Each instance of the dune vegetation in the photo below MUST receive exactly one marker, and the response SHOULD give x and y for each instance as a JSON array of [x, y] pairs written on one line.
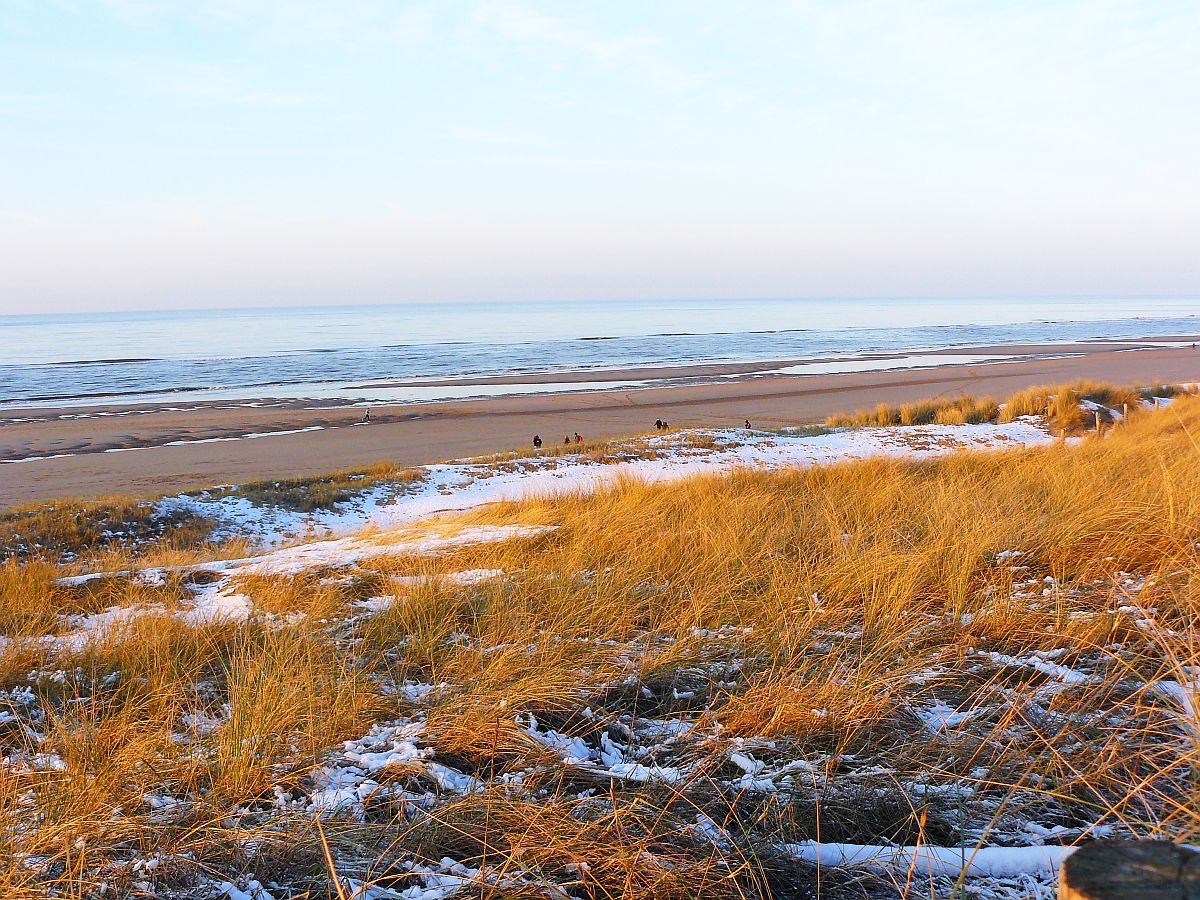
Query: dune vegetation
[[651, 691], [68, 528], [1066, 407], [319, 491]]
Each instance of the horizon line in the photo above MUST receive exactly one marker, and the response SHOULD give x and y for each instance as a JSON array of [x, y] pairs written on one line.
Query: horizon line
[[596, 300]]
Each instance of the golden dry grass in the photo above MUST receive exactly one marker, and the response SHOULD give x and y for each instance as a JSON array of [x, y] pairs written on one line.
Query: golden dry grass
[[288, 700], [309, 594], [944, 411], [799, 627], [1060, 405]]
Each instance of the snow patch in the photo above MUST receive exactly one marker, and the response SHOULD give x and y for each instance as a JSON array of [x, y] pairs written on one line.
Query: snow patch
[[989, 862], [459, 486]]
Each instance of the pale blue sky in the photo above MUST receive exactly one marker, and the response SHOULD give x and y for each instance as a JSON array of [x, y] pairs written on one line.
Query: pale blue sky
[[228, 152]]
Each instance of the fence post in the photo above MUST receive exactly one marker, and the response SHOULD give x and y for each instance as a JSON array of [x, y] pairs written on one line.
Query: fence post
[[1130, 870]]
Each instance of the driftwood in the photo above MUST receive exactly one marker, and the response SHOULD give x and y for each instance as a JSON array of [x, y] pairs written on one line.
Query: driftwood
[[1130, 870]]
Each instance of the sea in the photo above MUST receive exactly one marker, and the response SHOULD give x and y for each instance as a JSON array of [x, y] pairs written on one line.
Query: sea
[[389, 353]]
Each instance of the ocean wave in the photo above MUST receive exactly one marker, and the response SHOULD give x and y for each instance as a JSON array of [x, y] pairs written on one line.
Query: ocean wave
[[104, 362]]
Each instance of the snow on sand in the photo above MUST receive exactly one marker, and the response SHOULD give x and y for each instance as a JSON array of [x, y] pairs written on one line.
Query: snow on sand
[[459, 486]]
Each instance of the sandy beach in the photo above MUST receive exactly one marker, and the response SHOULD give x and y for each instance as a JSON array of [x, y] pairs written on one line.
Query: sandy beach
[[149, 450]]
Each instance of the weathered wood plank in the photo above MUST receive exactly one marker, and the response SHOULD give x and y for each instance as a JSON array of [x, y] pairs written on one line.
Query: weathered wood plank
[[1130, 870]]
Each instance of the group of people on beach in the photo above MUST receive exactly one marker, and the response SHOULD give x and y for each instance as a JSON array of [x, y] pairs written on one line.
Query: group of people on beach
[[659, 425], [577, 438], [567, 441]]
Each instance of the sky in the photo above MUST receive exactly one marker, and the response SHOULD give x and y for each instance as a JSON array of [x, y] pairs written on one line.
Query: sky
[[193, 153]]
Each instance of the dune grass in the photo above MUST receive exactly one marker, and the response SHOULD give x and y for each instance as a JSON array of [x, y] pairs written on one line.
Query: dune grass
[[945, 411], [314, 492], [70, 528], [936, 652], [1064, 406]]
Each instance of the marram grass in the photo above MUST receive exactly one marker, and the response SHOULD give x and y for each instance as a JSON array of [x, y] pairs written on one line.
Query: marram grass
[[932, 652]]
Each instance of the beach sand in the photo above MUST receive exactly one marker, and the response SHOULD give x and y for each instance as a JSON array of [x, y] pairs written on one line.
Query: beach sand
[[433, 432]]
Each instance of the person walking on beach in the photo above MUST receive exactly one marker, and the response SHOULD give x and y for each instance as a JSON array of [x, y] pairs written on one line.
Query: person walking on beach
[[367, 416], [747, 424], [658, 424], [537, 442], [567, 441], [578, 438]]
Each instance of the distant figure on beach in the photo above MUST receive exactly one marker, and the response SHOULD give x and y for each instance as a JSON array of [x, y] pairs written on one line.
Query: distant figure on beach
[[665, 425], [567, 441], [578, 438], [658, 424], [367, 416], [747, 424], [537, 442]]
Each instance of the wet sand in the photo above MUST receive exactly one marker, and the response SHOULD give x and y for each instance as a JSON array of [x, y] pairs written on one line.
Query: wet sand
[[432, 432]]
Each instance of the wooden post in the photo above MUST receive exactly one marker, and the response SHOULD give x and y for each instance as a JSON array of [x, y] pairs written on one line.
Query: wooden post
[[1097, 421], [1130, 870], [1124, 411]]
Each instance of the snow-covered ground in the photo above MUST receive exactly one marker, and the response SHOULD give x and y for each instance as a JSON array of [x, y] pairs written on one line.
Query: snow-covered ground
[[215, 601], [1002, 844], [383, 521], [459, 486]]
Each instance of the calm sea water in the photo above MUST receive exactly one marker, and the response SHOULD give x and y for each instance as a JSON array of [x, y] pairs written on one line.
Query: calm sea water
[[324, 351]]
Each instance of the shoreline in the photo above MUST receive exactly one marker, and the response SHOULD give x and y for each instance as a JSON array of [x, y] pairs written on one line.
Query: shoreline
[[81, 448], [342, 393], [634, 377]]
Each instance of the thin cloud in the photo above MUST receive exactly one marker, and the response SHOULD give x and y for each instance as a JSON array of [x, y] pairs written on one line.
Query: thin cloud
[[639, 56], [347, 23], [497, 138], [221, 86]]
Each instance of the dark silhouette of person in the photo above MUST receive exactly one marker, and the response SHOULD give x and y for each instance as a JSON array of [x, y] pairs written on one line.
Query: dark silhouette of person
[[658, 424], [747, 424], [537, 442], [567, 441]]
